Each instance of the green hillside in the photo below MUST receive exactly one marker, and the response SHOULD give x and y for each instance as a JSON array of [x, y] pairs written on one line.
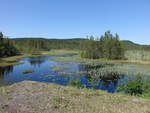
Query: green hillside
[[75, 43], [131, 45], [29, 44]]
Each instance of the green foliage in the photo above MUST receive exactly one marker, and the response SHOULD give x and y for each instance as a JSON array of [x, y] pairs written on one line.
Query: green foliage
[[137, 86], [6, 47], [76, 83], [129, 45], [146, 86], [90, 49], [1, 37], [41, 44], [108, 46]]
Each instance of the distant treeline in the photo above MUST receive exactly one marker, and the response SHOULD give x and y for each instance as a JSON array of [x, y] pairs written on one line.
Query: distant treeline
[[39, 44], [28, 44], [99, 47]]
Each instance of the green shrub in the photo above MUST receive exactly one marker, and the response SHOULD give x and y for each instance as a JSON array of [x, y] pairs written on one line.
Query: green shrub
[[7, 48], [137, 86], [76, 83]]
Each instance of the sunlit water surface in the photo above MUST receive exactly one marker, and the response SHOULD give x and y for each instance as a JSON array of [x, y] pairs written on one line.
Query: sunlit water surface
[[44, 71]]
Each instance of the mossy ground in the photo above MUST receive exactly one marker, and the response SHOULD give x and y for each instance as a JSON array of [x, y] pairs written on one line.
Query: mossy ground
[[35, 97]]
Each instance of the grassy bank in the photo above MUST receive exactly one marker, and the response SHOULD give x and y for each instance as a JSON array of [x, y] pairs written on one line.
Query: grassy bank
[[122, 66], [69, 58], [13, 60], [37, 97], [78, 58], [138, 55]]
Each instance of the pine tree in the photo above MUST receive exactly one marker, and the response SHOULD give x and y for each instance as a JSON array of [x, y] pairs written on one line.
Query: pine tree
[[1, 37], [6, 47], [108, 46]]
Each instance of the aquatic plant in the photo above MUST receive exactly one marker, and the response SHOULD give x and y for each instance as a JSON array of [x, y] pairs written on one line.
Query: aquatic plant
[[102, 71], [28, 71], [113, 70], [72, 73], [95, 65], [57, 68]]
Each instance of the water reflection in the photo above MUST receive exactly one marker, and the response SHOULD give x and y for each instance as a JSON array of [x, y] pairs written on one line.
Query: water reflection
[[46, 70], [37, 61], [5, 70]]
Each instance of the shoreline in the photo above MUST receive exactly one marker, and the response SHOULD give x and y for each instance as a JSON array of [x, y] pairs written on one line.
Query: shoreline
[[8, 61]]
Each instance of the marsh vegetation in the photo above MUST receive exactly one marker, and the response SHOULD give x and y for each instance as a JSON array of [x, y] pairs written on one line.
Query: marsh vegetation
[[27, 71], [78, 73], [97, 63]]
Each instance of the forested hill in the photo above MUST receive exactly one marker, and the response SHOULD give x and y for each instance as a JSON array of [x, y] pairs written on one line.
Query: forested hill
[[131, 45], [29, 44]]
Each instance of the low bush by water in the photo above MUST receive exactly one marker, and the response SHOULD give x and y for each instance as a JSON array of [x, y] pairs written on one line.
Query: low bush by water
[[137, 86]]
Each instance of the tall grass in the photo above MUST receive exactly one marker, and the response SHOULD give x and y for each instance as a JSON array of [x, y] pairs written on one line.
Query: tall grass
[[138, 84], [114, 71], [138, 55]]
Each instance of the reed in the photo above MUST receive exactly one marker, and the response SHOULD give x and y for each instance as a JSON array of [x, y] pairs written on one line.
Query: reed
[[115, 70], [138, 55]]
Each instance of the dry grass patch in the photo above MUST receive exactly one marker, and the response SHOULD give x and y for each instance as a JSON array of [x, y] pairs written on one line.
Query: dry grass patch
[[37, 97]]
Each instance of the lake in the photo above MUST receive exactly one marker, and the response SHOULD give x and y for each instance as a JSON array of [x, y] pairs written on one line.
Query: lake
[[50, 71]]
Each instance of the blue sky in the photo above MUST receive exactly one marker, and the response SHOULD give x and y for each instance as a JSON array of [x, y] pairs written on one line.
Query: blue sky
[[76, 18]]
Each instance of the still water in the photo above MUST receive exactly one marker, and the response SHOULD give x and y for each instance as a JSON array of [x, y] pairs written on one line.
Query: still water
[[46, 70]]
